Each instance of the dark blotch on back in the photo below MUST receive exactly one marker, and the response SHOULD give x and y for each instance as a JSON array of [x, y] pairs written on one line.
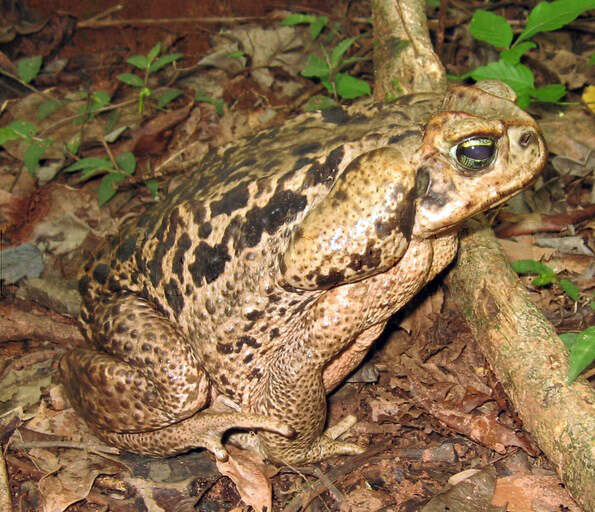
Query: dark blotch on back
[[84, 285], [224, 348], [395, 139], [209, 263], [271, 164], [246, 340], [254, 315], [126, 248], [204, 230], [325, 172], [198, 212], [100, 273], [232, 200], [184, 244], [174, 296], [302, 162], [281, 209], [306, 149], [335, 115]]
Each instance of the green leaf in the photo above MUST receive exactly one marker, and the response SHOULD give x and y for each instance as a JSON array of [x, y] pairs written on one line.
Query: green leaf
[[139, 61], [47, 108], [74, 144], [153, 52], [548, 16], [339, 51], [518, 76], [592, 59], [167, 97], [531, 267], [100, 99], [126, 162], [298, 19], [7, 134], [107, 187], [317, 25], [582, 353], [569, 339], [217, 103], [28, 69], [349, 87], [319, 102], [24, 129], [513, 56], [112, 120], [164, 60], [570, 289], [130, 79], [491, 28], [18, 129], [549, 93], [328, 85], [33, 154], [90, 163], [236, 55], [153, 186], [315, 67], [523, 99], [544, 279]]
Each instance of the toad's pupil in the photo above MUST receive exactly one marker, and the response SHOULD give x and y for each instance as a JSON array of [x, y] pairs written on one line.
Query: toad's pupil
[[475, 153]]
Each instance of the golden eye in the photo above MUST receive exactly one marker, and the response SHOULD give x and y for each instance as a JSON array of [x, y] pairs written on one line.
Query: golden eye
[[476, 153]]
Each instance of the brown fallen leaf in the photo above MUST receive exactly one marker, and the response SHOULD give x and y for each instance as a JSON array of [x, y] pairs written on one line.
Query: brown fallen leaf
[[251, 477], [74, 480], [484, 428], [537, 222], [527, 493]]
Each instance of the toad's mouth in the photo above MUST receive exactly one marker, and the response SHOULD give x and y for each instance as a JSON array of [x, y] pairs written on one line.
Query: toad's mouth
[[454, 213]]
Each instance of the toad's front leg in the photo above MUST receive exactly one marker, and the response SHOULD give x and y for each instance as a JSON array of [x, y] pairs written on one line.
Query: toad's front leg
[[293, 389]]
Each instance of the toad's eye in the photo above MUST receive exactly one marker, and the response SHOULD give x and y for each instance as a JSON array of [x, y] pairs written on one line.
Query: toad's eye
[[475, 154]]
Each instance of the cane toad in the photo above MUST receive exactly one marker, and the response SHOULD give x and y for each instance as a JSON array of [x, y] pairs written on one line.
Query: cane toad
[[265, 277]]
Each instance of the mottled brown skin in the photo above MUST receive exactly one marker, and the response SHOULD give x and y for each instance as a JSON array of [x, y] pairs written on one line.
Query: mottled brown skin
[[267, 275]]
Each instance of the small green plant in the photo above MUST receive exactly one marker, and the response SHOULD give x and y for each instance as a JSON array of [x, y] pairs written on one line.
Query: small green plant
[[581, 346], [95, 101], [494, 29], [35, 146], [317, 23], [115, 171], [28, 68], [216, 102], [328, 69], [545, 276], [149, 63]]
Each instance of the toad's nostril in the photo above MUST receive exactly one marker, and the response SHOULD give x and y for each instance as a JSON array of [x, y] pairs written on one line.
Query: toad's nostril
[[527, 138]]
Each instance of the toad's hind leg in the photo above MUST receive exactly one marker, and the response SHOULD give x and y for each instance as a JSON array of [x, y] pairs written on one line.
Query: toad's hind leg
[[143, 391]]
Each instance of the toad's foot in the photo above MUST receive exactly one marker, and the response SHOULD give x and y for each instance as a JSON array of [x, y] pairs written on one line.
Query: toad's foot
[[325, 446], [328, 446], [203, 430]]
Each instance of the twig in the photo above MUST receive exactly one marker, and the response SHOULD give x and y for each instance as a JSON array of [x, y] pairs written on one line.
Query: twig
[[5, 501], [103, 14], [96, 448], [168, 21]]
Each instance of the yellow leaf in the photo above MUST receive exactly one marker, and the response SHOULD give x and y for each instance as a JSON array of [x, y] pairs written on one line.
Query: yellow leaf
[[589, 97]]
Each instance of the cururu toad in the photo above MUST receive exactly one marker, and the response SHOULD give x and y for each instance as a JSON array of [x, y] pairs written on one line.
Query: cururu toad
[[265, 277]]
